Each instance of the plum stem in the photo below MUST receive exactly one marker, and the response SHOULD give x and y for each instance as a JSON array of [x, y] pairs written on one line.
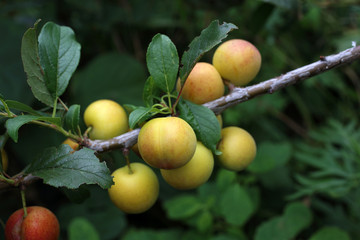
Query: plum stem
[[23, 199]]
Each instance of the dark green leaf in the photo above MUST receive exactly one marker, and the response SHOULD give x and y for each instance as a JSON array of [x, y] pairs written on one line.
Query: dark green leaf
[[78, 195], [270, 155], [59, 167], [183, 206], [224, 178], [139, 115], [163, 62], [150, 92], [32, 67], [72, 118], [204, 221], [59, 56], [81, 228], [22, 107], [295, 219], [110, 76], [152, 234], [204, 123], [13, 124], [209, 38], [236, 205], [330, 233]]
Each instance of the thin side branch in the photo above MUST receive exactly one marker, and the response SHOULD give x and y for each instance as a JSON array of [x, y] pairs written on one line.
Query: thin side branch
[[239, 95]]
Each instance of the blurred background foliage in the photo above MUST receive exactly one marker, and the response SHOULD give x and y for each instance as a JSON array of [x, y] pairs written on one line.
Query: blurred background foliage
[[304, 182]]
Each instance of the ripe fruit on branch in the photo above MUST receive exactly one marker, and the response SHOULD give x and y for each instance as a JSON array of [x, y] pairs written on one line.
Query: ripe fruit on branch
[[107, 119], [167, 142], [237, 61], [39, 224], [238, 148], [135, 189], [74, 145], [203, 84], [193, 174], [4, 160]]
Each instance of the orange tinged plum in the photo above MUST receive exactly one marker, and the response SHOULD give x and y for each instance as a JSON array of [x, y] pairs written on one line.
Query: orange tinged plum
[[193, 174], [167, 142], [203, 84], [74, 145], [238, 148], [237, 61]]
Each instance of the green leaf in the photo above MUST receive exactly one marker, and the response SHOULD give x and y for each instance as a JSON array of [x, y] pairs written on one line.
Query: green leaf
[[72, 118], [150, 92], [81, 228], [78, 195], [236, 205], [183, 206], [295, 219], [139, 115], [225, 178], [204, 123], [31, 62], [163, 62], [13, 124], [59, 56], [330, 233], [59, 167], [152, 234], [209, 38], [22, 107], [204, 221], [109, 76], [270, 156]]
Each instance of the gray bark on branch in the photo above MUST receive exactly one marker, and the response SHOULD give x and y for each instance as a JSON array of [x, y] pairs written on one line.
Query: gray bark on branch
[[239, 95]]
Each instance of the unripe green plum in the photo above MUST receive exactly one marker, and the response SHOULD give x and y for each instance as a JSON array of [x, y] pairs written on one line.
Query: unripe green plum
[[237, 61], [107, 118], [193, 174], [238, 148], [167, 142], [39, 224], [203, 84], [136, 190]]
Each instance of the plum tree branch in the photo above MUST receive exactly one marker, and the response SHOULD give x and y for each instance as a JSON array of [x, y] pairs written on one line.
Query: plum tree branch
[[239, 95]]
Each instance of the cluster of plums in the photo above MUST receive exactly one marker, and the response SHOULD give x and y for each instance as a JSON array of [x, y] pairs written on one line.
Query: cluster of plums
[[169, 143], [166, 143]]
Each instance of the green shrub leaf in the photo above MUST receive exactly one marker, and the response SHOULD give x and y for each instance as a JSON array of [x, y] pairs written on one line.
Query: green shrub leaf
[[163, 62], [22, 107], [183, 206], [81, 228], [59, 167], [139, 115], [209, 38], [236, 205], [13, 124], [59, 56], [295, 219], [270, 156], [204, 123], [150, 92], [330, 233], [30, 58], [72, 118]]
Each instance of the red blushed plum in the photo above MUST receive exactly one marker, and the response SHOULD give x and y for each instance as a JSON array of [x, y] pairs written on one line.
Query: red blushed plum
[[39, 224]]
